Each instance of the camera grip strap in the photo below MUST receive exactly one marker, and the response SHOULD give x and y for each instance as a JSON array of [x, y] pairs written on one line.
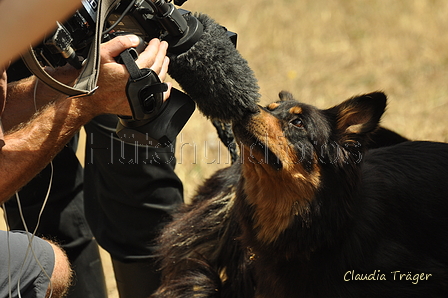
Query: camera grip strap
[[144, 89], [87, 80]]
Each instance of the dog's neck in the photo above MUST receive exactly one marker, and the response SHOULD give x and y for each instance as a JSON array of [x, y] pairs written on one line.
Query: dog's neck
[[277, 198]]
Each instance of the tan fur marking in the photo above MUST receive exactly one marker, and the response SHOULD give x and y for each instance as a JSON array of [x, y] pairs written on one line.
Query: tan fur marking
[[351, 120], [273, 106], [295, 110], [276, 195]]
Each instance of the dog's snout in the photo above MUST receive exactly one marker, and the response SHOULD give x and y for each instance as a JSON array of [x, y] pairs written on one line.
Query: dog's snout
[[249, 114]]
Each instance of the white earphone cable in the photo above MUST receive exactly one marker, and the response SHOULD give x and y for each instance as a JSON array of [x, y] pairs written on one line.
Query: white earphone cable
[[29, 235]]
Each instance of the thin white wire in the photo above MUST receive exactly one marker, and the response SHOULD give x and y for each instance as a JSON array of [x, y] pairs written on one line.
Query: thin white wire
[[5, 216], [30, 237]]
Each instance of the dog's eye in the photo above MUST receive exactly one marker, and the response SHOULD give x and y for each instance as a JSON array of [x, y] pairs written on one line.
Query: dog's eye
[[297, 122]]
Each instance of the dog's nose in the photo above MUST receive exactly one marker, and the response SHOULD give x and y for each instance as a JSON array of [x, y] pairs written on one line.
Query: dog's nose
[[253, 111], [257, 109], [249, 113], [262, 109]]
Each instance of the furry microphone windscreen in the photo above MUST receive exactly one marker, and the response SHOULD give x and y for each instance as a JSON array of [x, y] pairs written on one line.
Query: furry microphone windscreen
[[214, 74]]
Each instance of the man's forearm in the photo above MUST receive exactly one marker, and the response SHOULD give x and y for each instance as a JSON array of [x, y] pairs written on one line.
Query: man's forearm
[[30, 148], [19, 105], [23, 98]]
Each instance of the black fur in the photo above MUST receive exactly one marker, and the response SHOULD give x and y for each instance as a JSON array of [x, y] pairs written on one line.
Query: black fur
[[352, 211], [215, 75]]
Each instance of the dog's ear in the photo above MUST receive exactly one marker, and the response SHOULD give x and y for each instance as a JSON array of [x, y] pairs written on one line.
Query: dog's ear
[[358, 116], [285, 95]]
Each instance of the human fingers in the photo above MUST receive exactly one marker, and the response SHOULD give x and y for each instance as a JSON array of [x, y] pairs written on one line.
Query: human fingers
[[113, 48], [164, 69], [153, 56], [167, 93], [147, 57], [161, 60]]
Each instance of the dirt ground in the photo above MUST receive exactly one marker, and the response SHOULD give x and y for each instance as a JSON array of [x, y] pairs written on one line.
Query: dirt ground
[[325, 51]]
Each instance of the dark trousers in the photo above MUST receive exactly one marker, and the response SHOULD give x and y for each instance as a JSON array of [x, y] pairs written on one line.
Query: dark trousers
[[121, 200], [63, 220], [130, 191]]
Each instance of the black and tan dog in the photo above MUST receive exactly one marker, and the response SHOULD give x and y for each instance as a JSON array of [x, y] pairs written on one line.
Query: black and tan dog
[[324, 203]]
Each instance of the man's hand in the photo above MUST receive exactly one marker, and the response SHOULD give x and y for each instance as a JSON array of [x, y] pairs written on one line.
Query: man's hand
[[110, 98], [30, 147]]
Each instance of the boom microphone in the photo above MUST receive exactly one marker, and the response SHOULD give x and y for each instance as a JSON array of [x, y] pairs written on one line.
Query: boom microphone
[[214, 74]]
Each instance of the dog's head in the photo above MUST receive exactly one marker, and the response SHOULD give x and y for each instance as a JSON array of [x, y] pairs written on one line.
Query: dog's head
[[286, 146]]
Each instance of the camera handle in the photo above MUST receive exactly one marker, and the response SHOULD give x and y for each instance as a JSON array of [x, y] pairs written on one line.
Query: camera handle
[[154, 122], [86, 84], [144, 88]]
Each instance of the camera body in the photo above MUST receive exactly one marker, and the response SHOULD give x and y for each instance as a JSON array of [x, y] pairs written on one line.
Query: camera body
[[147, 19]]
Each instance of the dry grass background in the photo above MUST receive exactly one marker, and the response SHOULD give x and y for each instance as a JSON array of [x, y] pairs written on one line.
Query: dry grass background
[[325, 51]]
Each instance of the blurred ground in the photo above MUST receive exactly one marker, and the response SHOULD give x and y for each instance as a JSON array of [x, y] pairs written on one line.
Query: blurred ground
[[325, 51]]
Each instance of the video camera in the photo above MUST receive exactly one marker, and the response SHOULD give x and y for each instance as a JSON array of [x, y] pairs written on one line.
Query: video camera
[[147, 19], [154, 122]]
